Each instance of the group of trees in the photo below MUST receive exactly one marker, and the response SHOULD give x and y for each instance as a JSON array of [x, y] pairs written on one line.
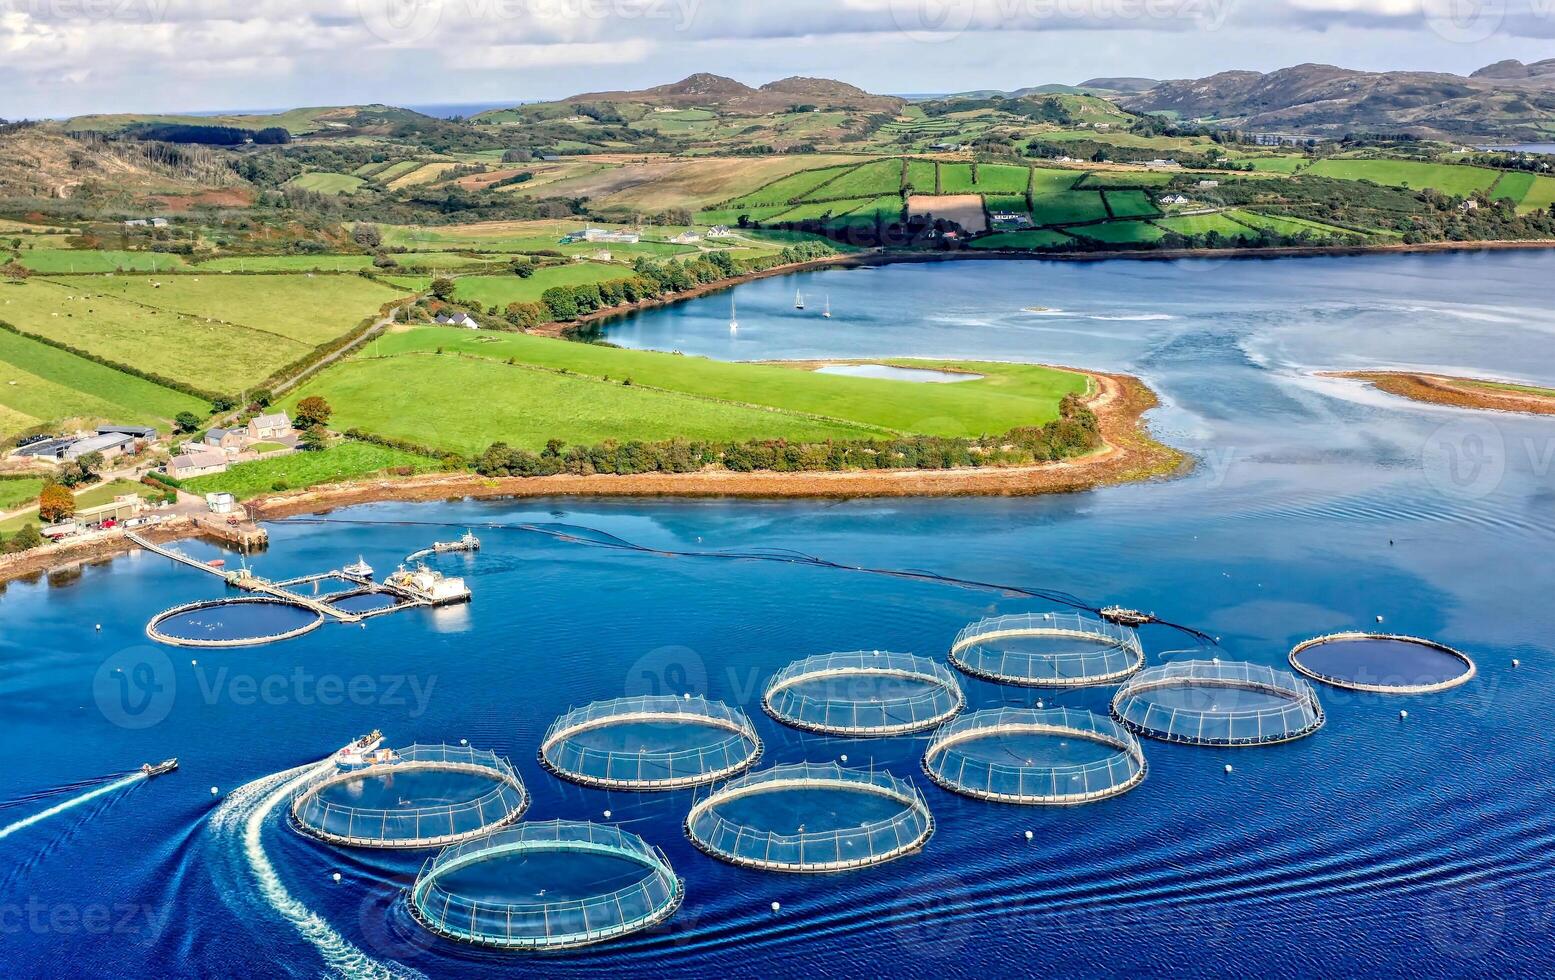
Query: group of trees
[[1073, 433]]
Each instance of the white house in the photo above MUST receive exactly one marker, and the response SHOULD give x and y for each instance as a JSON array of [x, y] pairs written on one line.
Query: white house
[[271, 426], [1174, 199], [1162, 164], [718, 231], [457, 319], [221, 503], [686, 238], [1206, 184], [199, 463]]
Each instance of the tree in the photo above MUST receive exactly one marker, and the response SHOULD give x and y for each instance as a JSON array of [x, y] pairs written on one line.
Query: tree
[[312, 411], [367, 235], [56, 503], [443, 288], [223, 403], [15, 270], [91, 463], [314, 439], [186, 421], [26, 539]]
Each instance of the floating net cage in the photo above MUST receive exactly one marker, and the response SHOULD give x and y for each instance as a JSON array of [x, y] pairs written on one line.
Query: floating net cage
[[1382, 663], [240, 622], [1210, 702], [365, 601], [434, 795], [656, 742], [811, 818], [545, 886], [1047, 650], [1055, 756], [863, 693]]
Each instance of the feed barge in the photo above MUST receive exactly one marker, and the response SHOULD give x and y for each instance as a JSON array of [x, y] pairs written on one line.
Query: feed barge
[[468, 542], [426, 586]]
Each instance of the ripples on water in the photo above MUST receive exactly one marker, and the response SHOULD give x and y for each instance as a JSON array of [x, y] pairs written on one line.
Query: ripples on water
[[1420, 846]]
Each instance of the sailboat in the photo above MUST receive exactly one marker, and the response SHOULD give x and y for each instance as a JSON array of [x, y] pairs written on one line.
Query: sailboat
[[734, 322], [798, 300], [827, 312]]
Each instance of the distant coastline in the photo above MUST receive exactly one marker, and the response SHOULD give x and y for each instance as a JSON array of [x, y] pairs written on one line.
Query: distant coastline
[[1458, 392]]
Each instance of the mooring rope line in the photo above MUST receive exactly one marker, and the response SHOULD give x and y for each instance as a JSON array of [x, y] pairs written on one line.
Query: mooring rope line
[[579, 534]]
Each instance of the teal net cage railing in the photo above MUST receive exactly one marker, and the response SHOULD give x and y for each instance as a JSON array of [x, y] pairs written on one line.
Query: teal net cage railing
[[811, 818], [545, 886], [1055, 756], [1047, 650], [1211, 702], [656, 742], [431, 796], [864, 693]]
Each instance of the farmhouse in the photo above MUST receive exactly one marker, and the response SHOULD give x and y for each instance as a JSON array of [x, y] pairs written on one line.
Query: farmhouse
[[197, 463], [276, 425], [686, 238], [1019, 219], [458, 319], [718, 231]]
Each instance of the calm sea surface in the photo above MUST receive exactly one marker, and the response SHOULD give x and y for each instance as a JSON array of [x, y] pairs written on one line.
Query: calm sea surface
[[1381, 845]]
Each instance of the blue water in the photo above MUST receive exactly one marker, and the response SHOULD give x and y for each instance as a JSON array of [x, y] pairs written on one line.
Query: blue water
[[1395, 847]]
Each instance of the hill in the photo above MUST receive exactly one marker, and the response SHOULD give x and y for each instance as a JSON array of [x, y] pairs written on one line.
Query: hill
[[1507, 100], [707, 91], [335, 120], [36, 162]]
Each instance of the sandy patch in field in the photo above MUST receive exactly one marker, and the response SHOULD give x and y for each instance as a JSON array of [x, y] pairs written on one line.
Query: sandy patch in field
[[965, 210]]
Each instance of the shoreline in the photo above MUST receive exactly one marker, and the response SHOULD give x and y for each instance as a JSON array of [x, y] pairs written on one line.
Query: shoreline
[[879, 257], [1129, 454], [1450, 390]]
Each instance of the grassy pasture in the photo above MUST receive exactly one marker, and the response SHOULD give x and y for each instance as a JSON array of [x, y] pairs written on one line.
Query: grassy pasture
[[870, 180], [823, 209], [1120, 178], [342, 461], [1527, 192], [1274, 165], [69, 260], [323, 182], [1286, 225], [956, 178], [1444, 177], [1120, 232], [1066, 207], [1002, 178], [920, 176], [54, 385], [499, 291], [731, 216], [886, 208], [16, 491], [794, 401], [1130, 204], [793, 187], [1203, 224]]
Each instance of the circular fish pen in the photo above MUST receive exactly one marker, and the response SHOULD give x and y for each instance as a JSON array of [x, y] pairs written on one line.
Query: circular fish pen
[[864, 693], [654, 742], [545, 886], [1050, 757], [241, 622], [431, 795], [1210, 702], [811, 818], [1382, 663], [365, 601], [1047, 650]]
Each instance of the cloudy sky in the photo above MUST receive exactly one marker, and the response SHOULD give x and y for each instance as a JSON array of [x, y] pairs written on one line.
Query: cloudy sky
[[62, 57]]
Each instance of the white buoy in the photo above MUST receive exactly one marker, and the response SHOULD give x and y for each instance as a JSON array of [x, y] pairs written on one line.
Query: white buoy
[[844, 757], [1516, 662], [1403, 714], [687, 695], [464, 741], [607, 814], [214, 791], [1039, 702], [776, 906], [194, 663], [1379, 619], [99, 627], [1028, 835], [1228, 767], [335, 876]]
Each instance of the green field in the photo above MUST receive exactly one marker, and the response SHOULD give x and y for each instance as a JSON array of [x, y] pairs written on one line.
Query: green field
[[1040, 238], [816, 210], [1120, 232], [1118, 178], [68, 260], [920, 176], [1444, 177], [1286, 225], [1528, 192], [956, 178], [1067, 207], [886, 208], [731, 216], [1000, 178], [870, 180], [1273, 165], [18, 491], [499, 291], [322, 182], [41, 384], [1203, 224], [342, 461], [1131, 204], [576, 392], [218, 333], [794, 187], [286, 263], [100, 493]]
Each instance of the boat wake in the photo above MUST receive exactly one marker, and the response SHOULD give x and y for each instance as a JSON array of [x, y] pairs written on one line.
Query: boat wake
[[241, 820], [70, 804]]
